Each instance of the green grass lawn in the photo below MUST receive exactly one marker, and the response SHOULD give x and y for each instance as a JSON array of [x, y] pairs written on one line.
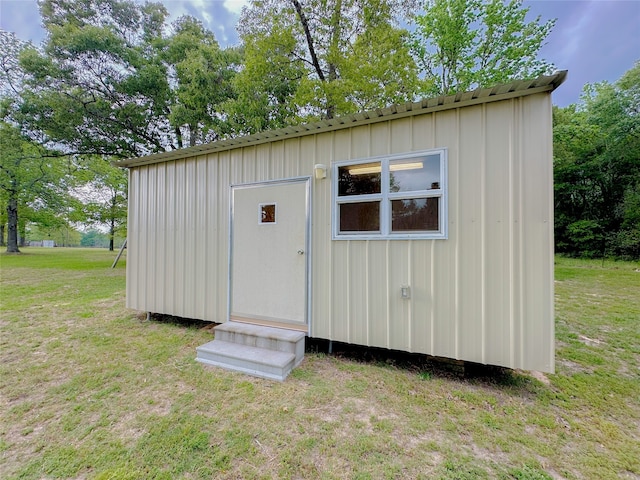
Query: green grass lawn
[[89, 389]]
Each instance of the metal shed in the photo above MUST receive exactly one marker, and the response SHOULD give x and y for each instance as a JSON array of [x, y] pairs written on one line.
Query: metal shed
[[424, 227]]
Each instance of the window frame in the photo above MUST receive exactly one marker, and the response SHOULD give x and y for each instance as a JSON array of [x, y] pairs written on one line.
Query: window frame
[[386, 196]]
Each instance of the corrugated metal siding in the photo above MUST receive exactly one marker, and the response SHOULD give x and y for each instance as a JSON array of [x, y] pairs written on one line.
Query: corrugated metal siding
[[484, 294]]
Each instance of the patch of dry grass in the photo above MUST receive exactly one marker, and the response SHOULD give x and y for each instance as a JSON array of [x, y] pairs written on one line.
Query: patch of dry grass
[[89, 389]]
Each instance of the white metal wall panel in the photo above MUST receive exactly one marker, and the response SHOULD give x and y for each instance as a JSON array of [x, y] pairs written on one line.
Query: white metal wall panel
[[397, 276], [378, 294], [484, 294], [468, 216], [422, 297], [358, 298], [321, 249], [538, 235], [497, 261], [444, 262]]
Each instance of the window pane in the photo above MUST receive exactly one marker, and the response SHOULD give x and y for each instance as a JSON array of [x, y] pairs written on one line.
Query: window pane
[[360, 217], [360, 179], [414, 214], [268, 213], [419, 173]]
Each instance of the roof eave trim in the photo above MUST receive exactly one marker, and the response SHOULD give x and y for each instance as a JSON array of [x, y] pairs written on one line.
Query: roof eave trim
[[412, 109]]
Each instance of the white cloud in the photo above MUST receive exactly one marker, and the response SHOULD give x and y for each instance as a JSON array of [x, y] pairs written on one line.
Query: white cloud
[[235, 6]]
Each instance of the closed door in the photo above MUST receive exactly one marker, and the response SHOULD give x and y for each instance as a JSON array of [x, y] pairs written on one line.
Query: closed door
[[269, 268]]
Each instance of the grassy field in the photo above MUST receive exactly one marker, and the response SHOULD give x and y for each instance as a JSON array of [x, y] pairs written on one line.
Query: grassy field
[[89, 389]]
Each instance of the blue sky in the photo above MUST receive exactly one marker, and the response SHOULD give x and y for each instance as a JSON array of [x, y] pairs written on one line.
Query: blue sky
[[595, 40]]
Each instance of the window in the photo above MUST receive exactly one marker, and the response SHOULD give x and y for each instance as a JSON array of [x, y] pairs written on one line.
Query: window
[[267, 213], [399, 196]]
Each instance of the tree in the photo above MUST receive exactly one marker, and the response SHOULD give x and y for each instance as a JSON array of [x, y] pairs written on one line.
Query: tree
[[597, 170], [30, 180], [460, 45], [109, 82], [104, 196], [11, 75], [203, 77], [320, 59], [94, 238]]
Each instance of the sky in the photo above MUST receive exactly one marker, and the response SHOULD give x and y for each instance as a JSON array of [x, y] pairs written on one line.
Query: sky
[[595, 40]]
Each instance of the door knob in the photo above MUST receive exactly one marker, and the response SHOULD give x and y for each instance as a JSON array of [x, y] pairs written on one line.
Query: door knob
[[300, 252]]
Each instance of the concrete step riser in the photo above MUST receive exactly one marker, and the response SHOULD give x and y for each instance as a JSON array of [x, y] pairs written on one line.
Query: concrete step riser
[[260, 351], [261, 337], [253, 341], [254, 372], [245, 365], [251, 360]]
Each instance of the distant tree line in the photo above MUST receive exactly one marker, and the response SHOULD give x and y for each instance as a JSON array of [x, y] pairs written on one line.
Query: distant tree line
[[114, 79], [597, 171]]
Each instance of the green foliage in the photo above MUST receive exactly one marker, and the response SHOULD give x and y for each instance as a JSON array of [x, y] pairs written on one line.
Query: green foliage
[[61, 233], [103, 197], [320, 59], [34, 185], [585, 237], [529, 473], [460, 45], [597, 171], [110, 81]]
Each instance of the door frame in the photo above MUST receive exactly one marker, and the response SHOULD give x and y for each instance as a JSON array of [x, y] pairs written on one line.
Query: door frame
[[307, 231]]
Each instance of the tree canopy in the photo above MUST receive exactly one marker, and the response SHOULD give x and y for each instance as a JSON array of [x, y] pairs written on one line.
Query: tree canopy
[[597, 170], [320, 59], [32, 182], [109, 81], [460, 45], [114, 79]]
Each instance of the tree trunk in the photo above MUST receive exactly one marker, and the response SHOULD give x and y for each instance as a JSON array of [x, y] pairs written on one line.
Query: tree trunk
[[112, 232], [335, 46], [12, 226], [2, 244], [307, 33], [112, 223], [22, 234]]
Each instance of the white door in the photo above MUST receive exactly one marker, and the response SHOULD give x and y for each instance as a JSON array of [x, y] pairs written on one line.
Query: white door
[[269, 270]]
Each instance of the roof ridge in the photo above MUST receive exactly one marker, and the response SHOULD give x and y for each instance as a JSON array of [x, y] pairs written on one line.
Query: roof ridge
[[516, 88]]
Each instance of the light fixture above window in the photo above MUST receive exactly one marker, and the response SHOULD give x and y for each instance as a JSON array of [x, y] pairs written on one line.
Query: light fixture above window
[[393, 167]]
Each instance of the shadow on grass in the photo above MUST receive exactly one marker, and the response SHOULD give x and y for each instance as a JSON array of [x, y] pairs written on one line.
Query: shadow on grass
[[424, 366], [178, 321]]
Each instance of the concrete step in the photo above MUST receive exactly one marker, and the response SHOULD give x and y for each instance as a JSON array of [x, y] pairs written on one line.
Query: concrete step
[[269, 338], [259, 362]]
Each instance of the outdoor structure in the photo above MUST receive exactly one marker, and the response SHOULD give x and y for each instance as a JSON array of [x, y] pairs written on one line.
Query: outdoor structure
[[425, 227]]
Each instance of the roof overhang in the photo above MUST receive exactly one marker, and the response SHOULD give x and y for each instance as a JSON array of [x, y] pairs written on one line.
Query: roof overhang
[[518, 88]]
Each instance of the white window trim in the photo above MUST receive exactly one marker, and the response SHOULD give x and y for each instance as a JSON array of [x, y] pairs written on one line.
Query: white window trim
[[385, 197]]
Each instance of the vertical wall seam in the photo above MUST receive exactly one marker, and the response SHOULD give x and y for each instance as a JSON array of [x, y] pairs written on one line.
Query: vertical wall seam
[[329, 276], [183, 200], [366, 291], [348, 300], [551, 237], [388, 292], [432, 299], [521, 233], [458, 279], [409, 301], [412, 320], [483, 233], [514, 127]]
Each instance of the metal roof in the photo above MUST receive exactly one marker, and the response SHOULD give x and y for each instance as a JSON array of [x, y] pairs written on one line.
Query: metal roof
[[517, 88]]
